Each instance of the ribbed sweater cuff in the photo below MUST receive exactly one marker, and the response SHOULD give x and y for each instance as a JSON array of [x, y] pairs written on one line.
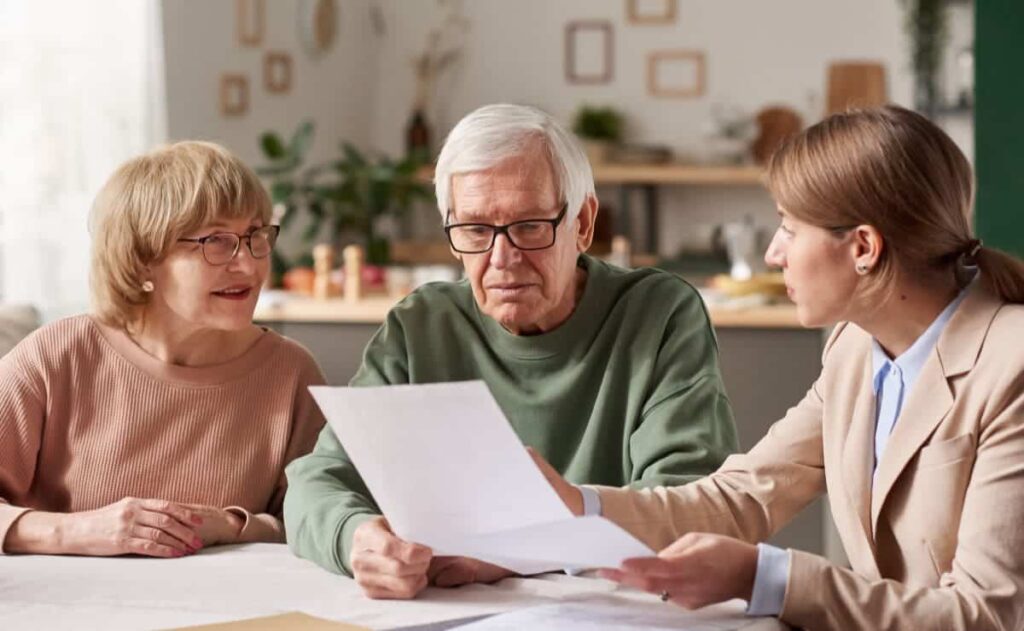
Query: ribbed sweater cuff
[[8, 515]]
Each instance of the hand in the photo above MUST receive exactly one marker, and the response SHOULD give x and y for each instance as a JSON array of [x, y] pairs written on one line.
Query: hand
[[699, 569], [218, 525], [386, 566], [571, 495], [149, 527], [455, 571]]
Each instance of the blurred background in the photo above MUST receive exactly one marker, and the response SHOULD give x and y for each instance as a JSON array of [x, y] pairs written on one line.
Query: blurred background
[[679, 101]]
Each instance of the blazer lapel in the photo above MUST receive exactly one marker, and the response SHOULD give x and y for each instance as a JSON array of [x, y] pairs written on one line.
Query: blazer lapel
[[858, 452], [928, 403], [932, 397]]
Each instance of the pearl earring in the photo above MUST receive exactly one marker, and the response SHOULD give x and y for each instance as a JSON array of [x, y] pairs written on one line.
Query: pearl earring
[[148, 286]]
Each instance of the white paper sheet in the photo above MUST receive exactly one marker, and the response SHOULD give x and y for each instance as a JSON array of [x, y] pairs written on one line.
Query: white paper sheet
[[604, 617], [449, 472]]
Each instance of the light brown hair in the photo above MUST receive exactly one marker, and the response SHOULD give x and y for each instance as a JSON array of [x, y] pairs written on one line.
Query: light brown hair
[[893, 169], [148, 204]]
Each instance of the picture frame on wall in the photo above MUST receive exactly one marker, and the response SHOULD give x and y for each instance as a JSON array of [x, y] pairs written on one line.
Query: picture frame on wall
[[651, 11], [234, 94], [277, 72], [250, 21], [676, 74], [589, 52]]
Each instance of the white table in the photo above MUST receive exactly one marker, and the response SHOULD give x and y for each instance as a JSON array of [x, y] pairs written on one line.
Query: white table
[[236, 582]]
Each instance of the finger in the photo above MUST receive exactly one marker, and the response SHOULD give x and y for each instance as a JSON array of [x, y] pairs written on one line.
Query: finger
[[411, 553], [178, 511], [438, 564], [454, 577], [393, 588], [171, 526], [150, 548], [643, 582], [611, 575], [148, 533], [373, 563], [650, 565]]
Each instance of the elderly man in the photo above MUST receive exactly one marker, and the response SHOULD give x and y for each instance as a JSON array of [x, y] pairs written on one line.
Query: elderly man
[[611, 375]]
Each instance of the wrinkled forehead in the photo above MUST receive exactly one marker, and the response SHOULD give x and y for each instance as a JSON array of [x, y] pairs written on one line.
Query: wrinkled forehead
[[517, 188]]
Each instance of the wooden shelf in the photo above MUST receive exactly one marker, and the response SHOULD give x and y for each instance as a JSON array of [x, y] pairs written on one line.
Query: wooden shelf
[[678, 174], [612, 173], [372, 310]]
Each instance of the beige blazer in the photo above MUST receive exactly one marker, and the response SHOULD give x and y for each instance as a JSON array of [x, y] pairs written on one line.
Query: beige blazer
[[938, 541]]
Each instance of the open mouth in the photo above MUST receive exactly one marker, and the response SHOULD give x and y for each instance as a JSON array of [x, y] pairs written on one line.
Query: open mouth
[[234, 293]]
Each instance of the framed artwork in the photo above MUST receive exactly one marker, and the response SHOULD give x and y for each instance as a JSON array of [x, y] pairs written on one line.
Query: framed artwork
[[277, 72], [250, 21], [651, 11], [234, 94], [318, 25], [589, 52], [678, 74]]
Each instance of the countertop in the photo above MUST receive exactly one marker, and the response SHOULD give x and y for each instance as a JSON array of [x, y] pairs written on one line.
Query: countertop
[[372, 310]]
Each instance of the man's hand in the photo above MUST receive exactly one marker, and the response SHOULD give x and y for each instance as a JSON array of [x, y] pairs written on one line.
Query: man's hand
[[455, 571], [385, 566], [697, 570], [571, 495]]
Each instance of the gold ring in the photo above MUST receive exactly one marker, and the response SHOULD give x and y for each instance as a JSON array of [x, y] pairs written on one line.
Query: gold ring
[[664, 596]]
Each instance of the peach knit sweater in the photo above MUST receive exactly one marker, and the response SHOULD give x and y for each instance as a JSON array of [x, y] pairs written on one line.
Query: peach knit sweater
[[88, 418]]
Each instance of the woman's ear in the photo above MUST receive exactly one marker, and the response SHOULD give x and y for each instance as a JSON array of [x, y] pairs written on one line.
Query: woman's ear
[[866, 248]]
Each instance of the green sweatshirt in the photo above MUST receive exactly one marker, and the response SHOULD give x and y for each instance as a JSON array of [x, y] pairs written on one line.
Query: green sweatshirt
[[627, 391]]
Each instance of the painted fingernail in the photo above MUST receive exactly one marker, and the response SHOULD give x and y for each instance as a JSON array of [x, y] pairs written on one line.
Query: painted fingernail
[[197, 543], [178, 554], [197, 520]]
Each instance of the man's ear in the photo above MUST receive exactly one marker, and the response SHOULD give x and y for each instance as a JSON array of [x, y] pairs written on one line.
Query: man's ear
[[585, 222]]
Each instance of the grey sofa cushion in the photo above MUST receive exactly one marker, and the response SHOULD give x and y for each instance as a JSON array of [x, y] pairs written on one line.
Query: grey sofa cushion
[[16, 321]]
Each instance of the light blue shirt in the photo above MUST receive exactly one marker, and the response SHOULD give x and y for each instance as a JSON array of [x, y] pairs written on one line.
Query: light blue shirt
[[892, 383]]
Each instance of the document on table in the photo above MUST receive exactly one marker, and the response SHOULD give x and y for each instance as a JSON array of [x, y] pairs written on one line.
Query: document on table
[[294, 621], [449, 472], [584, 616]]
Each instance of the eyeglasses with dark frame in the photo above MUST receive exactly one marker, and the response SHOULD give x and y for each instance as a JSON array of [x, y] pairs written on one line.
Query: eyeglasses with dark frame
[[220, 248], [526, 234]]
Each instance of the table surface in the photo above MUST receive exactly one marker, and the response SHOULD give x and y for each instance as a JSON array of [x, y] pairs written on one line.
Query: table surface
[[237, 582]]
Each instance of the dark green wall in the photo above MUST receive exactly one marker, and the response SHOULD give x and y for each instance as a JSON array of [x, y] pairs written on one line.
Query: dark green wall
[[999, 123]]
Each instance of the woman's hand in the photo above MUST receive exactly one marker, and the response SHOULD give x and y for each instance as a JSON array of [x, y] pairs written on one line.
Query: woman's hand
[[149, 527], [219, 526], [699, 569], [571, 495]]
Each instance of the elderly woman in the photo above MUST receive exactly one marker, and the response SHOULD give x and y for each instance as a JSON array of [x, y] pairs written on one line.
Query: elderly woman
[[611, 374], [915, 427], [162, 422]]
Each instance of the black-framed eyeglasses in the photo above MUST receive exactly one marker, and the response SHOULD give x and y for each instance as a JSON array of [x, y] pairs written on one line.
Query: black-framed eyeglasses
[[527, 234], [220, 247]]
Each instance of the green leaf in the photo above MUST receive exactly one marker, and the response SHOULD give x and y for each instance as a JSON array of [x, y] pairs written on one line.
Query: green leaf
[[281, 191], [272, 145], [302, 139]]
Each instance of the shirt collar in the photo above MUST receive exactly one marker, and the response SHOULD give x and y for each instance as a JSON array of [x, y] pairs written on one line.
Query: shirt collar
[[913, 359]]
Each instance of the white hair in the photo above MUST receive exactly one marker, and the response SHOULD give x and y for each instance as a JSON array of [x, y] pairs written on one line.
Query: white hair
[[494, 133]]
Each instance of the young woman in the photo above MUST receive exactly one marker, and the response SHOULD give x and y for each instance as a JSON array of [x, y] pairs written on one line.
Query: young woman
[[915, 428], [162, 422]]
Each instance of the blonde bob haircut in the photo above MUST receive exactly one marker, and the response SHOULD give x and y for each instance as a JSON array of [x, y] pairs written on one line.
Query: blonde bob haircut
[[148, 204]]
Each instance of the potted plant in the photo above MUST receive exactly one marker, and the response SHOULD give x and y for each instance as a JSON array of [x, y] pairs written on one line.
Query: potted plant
[[600, 129], [351, 193], [926, 22]]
